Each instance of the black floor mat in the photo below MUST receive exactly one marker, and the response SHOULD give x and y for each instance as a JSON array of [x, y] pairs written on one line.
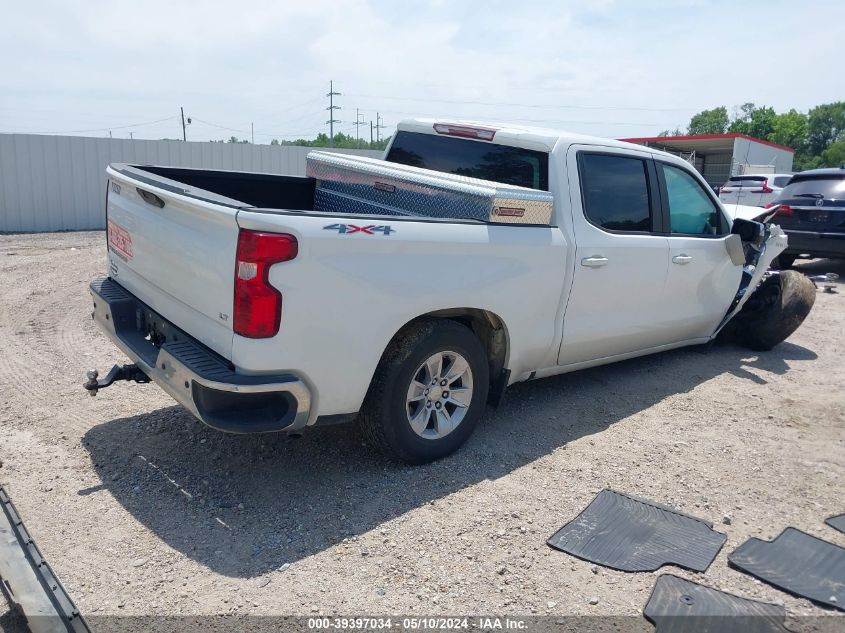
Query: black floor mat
[[678, 605], [630, 534], [797, 563], [837, 522]]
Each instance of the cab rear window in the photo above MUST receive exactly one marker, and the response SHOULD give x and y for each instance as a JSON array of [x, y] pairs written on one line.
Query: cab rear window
[[475, 159]]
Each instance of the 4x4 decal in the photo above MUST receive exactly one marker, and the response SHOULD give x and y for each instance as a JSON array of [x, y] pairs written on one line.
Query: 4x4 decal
[[371, 229]]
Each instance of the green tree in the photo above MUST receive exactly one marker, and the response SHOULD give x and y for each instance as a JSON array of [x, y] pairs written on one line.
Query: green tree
[[713, 121], [754, 121], [834, 155], [790, 129], [763, 122], [825, 124], [676, 132], [741, 123]]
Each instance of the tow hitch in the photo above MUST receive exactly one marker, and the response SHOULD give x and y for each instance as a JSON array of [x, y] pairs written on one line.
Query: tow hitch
[[118, 372]]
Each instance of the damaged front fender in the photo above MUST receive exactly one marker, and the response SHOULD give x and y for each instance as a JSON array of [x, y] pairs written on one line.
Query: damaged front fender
[[762, 242]]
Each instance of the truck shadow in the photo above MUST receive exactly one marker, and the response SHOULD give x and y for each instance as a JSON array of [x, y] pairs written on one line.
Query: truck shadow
[[245, 505]]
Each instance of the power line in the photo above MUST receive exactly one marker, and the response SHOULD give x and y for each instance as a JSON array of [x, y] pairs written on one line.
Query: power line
[[243, 131], [296, 105], [520, 120], [113, 127], [519, 105]]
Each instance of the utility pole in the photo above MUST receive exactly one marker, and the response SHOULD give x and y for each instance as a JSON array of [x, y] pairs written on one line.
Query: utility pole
[[130, 135], [358, 121], [184, 125], [332, 107], [252, 129], [371, 133], [379, 126]]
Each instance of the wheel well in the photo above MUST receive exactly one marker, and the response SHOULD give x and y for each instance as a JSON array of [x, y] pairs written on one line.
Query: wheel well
[[491, 331]]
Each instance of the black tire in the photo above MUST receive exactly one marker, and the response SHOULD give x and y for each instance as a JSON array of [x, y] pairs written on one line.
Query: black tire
[[784, 262], [384, 419], [775, 310]]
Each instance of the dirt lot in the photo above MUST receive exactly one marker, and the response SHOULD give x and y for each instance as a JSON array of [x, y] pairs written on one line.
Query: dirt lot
[[141, 509]]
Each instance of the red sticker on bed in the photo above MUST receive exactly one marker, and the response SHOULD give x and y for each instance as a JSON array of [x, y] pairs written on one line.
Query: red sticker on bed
[[120, 240]]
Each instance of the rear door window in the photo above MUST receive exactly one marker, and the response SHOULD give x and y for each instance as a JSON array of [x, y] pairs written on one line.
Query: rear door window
[[615, 192], [475, 159], [780, 181]]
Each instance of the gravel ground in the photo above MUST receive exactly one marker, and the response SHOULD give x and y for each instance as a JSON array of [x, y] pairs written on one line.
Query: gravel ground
[[141, 509]]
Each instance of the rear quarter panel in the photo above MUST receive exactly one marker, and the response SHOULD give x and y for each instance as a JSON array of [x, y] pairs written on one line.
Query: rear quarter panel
[[347, 294]]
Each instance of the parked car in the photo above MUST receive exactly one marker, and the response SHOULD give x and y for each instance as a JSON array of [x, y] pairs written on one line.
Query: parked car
[[754, 190], [374, 291], [812, 212]]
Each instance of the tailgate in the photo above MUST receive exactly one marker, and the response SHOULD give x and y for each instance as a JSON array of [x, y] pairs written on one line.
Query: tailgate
[[175, 252]]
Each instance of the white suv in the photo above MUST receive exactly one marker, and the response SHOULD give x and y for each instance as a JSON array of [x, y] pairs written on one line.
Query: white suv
[[755, 190]]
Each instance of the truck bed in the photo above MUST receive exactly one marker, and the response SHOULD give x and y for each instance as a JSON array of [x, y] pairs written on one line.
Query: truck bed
[[230, 188]]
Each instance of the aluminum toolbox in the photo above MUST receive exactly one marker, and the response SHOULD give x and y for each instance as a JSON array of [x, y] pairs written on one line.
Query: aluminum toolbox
[[357, 184]]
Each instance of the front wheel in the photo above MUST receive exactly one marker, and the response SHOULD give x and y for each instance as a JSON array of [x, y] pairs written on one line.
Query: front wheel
[[775, 310], [428, 393]]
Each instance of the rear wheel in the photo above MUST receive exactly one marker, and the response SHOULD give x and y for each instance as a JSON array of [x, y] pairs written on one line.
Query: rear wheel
[[428, 393], [775, 310]]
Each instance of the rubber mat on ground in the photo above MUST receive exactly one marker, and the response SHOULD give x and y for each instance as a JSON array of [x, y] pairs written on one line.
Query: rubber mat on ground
[[630, 534], [678, 605], [797, 563], [837, 522]]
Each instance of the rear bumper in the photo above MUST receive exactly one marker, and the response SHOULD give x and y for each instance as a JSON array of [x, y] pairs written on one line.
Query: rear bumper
[[819, 244], [197, 378]]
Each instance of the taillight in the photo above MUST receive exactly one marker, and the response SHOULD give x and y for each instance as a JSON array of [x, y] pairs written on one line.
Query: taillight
[[465, 131], [785, 209], [258, 305], [765, 189]]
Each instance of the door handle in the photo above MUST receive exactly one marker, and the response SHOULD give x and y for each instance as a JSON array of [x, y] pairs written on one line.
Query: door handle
[[681, 259], [596, 261]]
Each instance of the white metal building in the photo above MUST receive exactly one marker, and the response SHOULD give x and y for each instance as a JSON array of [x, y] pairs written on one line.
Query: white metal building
[[720, 156], [58, 183]]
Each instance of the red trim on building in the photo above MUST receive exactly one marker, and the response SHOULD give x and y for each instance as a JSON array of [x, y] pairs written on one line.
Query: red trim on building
[[704, 137]]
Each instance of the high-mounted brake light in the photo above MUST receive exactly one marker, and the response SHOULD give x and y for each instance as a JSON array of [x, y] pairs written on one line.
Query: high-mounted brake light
[[257, 304], [465, 131]]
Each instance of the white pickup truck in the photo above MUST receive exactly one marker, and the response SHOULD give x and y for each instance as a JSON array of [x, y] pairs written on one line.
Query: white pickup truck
[[258, 313]]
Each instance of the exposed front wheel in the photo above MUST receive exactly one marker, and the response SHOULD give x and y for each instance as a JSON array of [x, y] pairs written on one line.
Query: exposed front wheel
[[775, 310], [428, 393]]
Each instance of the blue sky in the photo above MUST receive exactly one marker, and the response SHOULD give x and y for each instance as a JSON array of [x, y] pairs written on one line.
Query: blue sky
[[611, 68]]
